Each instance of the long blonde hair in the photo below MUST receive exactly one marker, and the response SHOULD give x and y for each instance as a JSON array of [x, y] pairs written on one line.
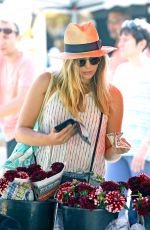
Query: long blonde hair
[[71, 89]]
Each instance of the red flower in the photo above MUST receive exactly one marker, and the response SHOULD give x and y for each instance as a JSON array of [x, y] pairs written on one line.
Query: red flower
[[66, 185], [114, 201], [21, 169], [3, 185], [38, 175], [57, 167], [33, 168], [72, 202], [82, 187], [64, 194], [142, 205], [22, 175], [10, 175], [50, 173], [140, 183], [134, 184], [108, 186], [85, 202], [145, 188], [144, 177]]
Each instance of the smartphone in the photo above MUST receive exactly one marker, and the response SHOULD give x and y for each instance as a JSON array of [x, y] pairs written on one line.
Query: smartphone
[[61, 126]]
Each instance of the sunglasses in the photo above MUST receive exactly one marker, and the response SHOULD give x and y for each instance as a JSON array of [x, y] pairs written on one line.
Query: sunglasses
[[92, 60], [7, 31]]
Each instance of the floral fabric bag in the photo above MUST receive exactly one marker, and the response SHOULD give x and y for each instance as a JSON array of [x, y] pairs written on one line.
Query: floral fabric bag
[[23, 155]]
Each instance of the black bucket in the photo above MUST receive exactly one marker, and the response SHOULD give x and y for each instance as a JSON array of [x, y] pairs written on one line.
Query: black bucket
[[32, 215], [84, 219], [147, 222], [7, 222]]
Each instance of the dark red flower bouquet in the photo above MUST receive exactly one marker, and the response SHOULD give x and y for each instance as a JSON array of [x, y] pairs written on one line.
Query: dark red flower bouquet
[[108, 195], [18, 184], [140, 193]]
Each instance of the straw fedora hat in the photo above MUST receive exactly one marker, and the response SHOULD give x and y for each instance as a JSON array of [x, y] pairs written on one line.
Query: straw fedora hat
[[82, 41]]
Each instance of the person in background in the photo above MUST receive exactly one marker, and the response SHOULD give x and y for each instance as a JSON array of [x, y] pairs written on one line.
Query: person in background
[[133, 80], [16, 74], [54, 63], [79, 91], [147, 51], [116, 16]]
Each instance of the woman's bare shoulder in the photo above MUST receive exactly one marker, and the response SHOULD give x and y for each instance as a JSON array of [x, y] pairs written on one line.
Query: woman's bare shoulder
[[114, 91], [116, 102], [116, 95]]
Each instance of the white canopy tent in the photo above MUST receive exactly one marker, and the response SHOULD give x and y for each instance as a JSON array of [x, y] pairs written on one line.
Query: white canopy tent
[[76, 7], [73, 6], [88, 5]]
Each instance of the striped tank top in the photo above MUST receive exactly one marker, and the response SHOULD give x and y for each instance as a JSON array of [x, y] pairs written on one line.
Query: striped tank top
[[76, 154]]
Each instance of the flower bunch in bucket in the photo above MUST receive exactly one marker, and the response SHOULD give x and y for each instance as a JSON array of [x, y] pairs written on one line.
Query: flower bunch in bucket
[[108, 195], [29, 183], [140, 193]]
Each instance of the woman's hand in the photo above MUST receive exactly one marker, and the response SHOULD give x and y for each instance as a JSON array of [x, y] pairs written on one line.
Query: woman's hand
[[57, 138], [123, 147], [113, 153], [24, 132]]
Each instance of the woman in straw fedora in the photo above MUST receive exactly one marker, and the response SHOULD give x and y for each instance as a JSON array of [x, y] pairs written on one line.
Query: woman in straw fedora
[[80, 91]]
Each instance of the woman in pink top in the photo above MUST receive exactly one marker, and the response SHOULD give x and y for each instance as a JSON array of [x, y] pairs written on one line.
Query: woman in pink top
[[16, 75]]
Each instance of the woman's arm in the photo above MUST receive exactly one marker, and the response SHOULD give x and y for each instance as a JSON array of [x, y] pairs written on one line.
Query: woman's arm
[[114, 124], [29, 113], [24, 130]]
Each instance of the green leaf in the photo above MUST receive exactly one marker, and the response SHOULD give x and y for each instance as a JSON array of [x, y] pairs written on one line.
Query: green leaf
[[126, 207], [100, 179]]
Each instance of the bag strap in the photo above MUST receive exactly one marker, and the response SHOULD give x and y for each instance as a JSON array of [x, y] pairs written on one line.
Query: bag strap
[[47, 95], [40, 116], [95, 146]]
